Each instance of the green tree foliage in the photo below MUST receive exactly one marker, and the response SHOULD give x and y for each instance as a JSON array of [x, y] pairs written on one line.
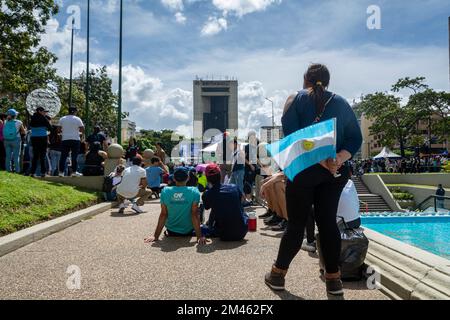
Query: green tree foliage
[[23, 65], [399, 123], [165, 137]]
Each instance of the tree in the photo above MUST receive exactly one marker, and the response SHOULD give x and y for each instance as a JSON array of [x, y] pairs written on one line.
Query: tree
[[102, 100], [164, 137], [23, 66], [391, 120]]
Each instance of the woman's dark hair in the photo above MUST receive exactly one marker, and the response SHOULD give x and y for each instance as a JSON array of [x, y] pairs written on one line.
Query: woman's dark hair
[[134, 142], [317, 79], [155, 160], [214, 179], [95, 147]]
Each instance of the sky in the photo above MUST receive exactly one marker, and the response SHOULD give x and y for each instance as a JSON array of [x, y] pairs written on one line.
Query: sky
[[266, 44]]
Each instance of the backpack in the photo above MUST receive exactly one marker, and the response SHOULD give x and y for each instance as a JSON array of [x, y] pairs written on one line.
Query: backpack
[[108, 184], [10, 131]]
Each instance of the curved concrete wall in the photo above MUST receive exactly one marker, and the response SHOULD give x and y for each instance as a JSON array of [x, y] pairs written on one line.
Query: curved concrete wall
[[377, 186], [428, 179], [408, 272], [89, 183]]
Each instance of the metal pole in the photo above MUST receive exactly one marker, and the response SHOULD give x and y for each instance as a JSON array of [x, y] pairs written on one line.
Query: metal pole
[[87, 124], [273, 113], [71, 66], [119, 110]]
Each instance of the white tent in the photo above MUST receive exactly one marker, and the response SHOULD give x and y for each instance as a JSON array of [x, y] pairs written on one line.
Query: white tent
[[386, 153], [211, 148]]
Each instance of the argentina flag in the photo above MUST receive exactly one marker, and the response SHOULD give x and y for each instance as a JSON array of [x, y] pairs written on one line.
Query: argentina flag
[[305, 148]]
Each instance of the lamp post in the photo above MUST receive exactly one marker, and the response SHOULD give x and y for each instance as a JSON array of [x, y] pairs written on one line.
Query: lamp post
[[273, 114], [71, 66], [87, 69], [119, 110]]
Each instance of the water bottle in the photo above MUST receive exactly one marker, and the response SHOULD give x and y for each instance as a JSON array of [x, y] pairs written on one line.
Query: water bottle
[[252, 222]]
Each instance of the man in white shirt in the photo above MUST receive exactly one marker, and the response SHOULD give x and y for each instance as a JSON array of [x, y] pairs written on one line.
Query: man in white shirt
[[71, 128], [133, 185]]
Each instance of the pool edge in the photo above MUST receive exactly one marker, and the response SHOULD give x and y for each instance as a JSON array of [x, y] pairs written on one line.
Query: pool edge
[[408, 272]]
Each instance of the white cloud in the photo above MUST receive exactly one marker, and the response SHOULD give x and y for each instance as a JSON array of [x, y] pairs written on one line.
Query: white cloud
[[180, 18], [213, 26], [175, 5], [243, 7]]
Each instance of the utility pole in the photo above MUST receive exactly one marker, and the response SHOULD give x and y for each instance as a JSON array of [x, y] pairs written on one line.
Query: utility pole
[[71, 66], [119, 111], [87, 125]]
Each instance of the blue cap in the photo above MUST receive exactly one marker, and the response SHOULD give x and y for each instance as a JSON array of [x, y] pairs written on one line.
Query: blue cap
[[181, 174], [12, 112]]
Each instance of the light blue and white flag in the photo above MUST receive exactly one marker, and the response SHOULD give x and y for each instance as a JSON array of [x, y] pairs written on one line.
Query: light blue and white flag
[[305, 148]]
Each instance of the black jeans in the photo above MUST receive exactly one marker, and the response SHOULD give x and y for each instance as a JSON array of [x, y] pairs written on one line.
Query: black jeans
[[2, 155], [69, 146], [314, 186], [39, 154]]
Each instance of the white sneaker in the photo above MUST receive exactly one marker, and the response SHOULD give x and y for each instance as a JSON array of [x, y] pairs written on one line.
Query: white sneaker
[[61, 174], [122, 207], [77, 174], [136, 208]]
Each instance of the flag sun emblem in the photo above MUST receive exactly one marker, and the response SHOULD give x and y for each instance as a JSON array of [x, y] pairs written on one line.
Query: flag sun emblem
[[308, 145]]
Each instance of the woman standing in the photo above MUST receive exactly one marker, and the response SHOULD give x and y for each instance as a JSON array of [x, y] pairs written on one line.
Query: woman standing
[[13, 130], [40, 125], [320, 185], [2, 144], [131, 151]]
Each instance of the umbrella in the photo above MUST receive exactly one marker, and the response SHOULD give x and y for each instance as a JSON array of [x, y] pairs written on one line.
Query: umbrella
[[201, 167]]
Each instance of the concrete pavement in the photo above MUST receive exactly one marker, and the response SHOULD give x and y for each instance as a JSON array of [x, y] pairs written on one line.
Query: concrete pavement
[[115, 263]]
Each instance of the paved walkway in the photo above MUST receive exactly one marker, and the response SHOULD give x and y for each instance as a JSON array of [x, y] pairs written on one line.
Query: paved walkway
[[116, 264]]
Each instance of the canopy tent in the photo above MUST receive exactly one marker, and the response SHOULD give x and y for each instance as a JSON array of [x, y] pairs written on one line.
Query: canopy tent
[[386, 153], [211, 148]]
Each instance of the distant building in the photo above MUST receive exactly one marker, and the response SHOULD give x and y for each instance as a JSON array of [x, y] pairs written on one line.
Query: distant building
[[271, 134], [372, 143], [128, 130], [215, 106]]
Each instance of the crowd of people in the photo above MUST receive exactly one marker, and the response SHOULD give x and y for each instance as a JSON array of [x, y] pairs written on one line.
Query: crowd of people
[[51, 148], [432, 163]]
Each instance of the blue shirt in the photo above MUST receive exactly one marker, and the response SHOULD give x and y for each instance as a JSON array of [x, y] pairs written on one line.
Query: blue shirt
[[154, 176], [227, 218], [179, 202], [302, 113]]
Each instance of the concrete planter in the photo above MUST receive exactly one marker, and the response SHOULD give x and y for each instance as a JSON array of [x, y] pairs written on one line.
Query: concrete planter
[[406, 204]]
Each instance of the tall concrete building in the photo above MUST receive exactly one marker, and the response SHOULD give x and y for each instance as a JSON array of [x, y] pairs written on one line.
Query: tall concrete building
[[215, 106]]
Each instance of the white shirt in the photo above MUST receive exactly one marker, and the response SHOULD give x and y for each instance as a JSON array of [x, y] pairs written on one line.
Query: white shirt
[[70, 126], [129, 187], [349, 203]]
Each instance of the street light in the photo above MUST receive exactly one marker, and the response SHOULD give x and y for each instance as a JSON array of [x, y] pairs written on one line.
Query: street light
[[273, 114]]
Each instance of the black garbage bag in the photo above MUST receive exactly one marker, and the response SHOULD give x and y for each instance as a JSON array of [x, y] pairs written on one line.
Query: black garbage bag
[[354, 247]]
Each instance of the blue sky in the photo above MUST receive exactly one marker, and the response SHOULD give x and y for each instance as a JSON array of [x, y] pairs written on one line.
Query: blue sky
[[266, 44]]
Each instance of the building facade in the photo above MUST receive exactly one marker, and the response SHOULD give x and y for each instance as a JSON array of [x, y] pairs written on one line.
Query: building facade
[[215, 106], [128, 130], [271, 134]]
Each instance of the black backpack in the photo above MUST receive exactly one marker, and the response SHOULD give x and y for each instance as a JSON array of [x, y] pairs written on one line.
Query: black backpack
[[108, 184]]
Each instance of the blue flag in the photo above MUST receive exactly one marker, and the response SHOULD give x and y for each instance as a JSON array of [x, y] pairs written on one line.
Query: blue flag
[[305, 148]]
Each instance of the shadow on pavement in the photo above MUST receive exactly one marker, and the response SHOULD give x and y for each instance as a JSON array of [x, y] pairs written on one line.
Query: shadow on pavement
[[216, 244], [171, 244], [287, 295], [278, 235]]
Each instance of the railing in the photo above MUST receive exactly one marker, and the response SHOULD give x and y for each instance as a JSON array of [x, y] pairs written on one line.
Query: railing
[[438, 202]]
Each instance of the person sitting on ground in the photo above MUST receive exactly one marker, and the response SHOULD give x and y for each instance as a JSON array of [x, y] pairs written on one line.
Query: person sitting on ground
[[133, 185], [274, 191], [112, 181], [179, 210], [154, 175], [93, 165], [227, 219], [348, 208]]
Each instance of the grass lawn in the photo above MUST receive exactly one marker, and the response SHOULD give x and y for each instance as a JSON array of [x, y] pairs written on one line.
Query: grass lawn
[[415, 186], [25, 201]]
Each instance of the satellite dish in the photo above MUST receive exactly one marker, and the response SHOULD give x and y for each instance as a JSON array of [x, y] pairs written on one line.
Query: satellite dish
[[46, 99]]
